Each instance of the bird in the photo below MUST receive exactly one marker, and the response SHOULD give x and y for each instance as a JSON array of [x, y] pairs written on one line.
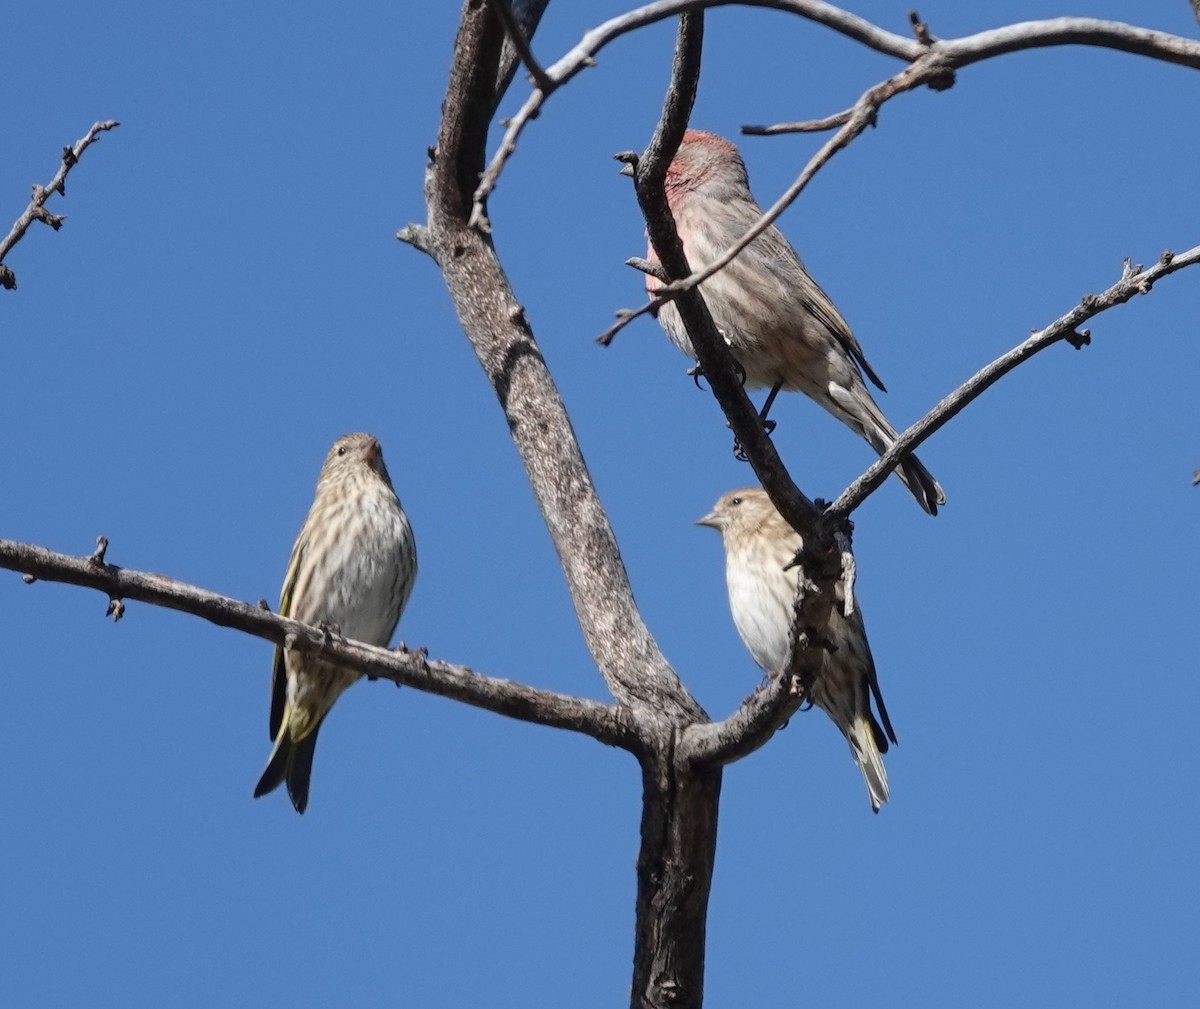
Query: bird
[[759, 547], [352, 571], [782, 329]]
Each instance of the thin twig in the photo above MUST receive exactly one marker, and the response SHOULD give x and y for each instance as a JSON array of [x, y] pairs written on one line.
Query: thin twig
[[605, 722], [36, 211], [519, 42], [583, 56], [958, 52], [1134, 280], [925, 69], [809, 126]]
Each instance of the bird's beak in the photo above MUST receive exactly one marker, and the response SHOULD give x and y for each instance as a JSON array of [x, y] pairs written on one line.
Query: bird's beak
[[712, 520], [626, 169]]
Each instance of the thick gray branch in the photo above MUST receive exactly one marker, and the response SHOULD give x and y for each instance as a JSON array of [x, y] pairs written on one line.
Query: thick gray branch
[[674, 871], [756, 720], [1134, 280], [36, 211], [629, 659], [605, 722], [679, 812]]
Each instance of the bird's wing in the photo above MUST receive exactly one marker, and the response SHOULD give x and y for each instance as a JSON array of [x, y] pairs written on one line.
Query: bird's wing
[[279, 669], [825, 312], [872, 676], [785, 260]]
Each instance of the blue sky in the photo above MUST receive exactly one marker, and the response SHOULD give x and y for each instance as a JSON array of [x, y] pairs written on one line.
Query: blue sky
[[227, 297]]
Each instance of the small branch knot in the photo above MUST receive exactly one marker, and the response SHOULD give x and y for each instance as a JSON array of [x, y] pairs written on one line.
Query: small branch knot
[[942, 82], [1079, 339], [630, 160], [54, 220], [938, 70], [920, 29], [645, 266], [101, 548]]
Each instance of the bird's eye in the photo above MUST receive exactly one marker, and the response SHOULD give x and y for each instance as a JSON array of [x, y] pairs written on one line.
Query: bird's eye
[[736, 501], [341, 450]]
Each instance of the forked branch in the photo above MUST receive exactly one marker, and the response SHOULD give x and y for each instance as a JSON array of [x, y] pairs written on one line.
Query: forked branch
[[957, 52], [36, 211]]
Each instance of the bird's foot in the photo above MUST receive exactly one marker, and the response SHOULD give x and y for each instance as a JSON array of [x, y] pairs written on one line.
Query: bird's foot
[[739, 452], [332, 632]]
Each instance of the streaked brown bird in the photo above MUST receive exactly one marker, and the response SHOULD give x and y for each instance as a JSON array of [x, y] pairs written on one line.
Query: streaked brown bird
[[759, 544], [781, 327], [352, 569]]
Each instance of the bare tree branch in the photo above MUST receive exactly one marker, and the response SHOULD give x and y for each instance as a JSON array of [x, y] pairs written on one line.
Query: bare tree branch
[[679, 751], [526, 15], [517, 39], [712, 352], [957, 52], [927, 69], [629, 659], [808, 126], [36, 211], [605, 722], [1134, 280], [702, 749], [679, 805], [756, 720]]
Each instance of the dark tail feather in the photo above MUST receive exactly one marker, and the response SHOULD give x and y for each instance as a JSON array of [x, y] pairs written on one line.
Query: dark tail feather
[[291, 762], [916, 477], [277, 766], [299, 770], [921, 484]]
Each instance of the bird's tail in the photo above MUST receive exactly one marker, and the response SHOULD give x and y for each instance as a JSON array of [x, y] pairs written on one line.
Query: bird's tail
[[867, 746], [291, 761], [881, 436]]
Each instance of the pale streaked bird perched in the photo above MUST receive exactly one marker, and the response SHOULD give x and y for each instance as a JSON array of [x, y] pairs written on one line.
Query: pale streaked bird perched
[[781, 327], [352, 568], [759, 544]]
